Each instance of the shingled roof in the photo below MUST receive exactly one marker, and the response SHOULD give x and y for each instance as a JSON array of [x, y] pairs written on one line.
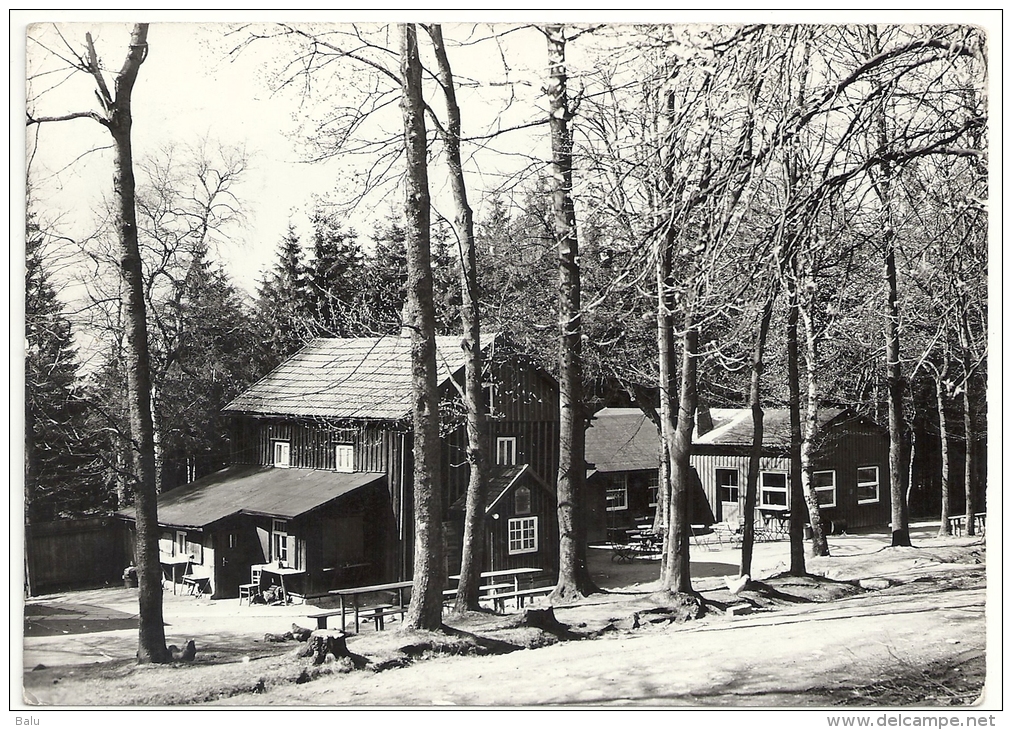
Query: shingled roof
[[737, 430], [365, 377], [500, 480], [623, 439]]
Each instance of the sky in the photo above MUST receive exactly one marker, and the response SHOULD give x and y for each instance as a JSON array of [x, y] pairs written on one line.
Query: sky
[[189, 88]]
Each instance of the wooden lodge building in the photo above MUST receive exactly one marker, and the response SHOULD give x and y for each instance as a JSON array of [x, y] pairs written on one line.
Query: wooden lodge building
[[850, 468], [321, 475]]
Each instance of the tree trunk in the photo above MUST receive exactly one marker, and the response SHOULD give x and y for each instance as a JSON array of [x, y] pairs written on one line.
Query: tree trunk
[[944, 528], [463, 225], [666, 368], [151, 644], [755, 452], [797, 498], [676, 578], [894, 387], [574, 577], [820, 545], [426, 607], [970, 461]]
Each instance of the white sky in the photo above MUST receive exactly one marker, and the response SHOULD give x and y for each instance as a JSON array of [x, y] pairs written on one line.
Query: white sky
[[187, 88]]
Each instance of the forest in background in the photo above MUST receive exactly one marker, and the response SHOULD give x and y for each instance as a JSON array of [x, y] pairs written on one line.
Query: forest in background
[[780, 167]]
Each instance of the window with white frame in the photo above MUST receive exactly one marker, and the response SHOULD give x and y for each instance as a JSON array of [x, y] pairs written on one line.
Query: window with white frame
[[282, 454], [617, 494], [867, 484], [773, 489], [727, 485], [824, 486], [653, 487], [345, 457], [523, 535], [279, 540], [180, 542], [506, 450]]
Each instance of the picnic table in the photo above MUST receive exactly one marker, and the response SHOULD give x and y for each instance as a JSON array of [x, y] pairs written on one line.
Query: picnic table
[[498, 579], [376, 612], [979, 520]]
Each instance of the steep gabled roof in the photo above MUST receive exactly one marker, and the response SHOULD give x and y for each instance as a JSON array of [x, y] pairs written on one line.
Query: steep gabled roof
[[365, 377], [260, 490], [501, 480]]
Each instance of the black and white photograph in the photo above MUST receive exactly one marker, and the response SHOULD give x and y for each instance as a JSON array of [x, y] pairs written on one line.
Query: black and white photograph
[[487, 360]]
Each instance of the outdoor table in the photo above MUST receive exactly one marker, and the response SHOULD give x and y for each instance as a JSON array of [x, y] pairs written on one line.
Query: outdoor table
[[777, 518], [281, 573], [354, 593], [513, 573], [173, 561]]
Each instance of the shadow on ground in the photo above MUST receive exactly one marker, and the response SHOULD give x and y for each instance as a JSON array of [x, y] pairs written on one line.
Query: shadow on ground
[[75, 618]]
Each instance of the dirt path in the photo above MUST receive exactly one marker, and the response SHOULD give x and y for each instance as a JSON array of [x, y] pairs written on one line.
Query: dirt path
[[804, 655], [812, 642]]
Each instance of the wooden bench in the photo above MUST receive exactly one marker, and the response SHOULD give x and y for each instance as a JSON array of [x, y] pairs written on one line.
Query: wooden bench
[[322, 615], [378, 613], [499, 599]]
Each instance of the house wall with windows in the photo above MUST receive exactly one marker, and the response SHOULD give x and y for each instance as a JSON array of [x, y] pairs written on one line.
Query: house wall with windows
[[850, 477]]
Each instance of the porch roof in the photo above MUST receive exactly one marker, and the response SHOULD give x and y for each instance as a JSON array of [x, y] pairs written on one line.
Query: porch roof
[[261, 490], [500, 480]]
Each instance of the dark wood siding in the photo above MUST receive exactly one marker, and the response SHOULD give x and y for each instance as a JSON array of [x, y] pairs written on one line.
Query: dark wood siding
[[497, 523], [76, 553], [842, 449]]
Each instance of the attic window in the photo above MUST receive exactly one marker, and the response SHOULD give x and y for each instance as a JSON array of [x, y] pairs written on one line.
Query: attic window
[[344, 458], [282, 454], [506, 450], [522, 501]]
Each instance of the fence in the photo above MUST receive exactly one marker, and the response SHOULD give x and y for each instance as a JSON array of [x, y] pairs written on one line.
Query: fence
[[75, 554]]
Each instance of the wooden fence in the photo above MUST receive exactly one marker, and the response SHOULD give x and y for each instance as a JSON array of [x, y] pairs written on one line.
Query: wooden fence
[[75, 554]]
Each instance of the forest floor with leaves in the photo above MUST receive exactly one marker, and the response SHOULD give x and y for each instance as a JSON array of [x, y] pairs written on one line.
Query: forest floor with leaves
[[871, 626]]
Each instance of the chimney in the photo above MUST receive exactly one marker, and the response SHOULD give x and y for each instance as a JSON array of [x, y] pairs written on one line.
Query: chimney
[[704, 423]]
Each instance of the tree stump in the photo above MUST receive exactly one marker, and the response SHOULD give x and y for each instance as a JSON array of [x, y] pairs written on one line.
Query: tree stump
[[544, 619], [324, 641]]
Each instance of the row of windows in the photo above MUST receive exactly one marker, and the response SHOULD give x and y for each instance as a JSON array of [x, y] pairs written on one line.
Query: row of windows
[[344, 454], [773, 486]]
